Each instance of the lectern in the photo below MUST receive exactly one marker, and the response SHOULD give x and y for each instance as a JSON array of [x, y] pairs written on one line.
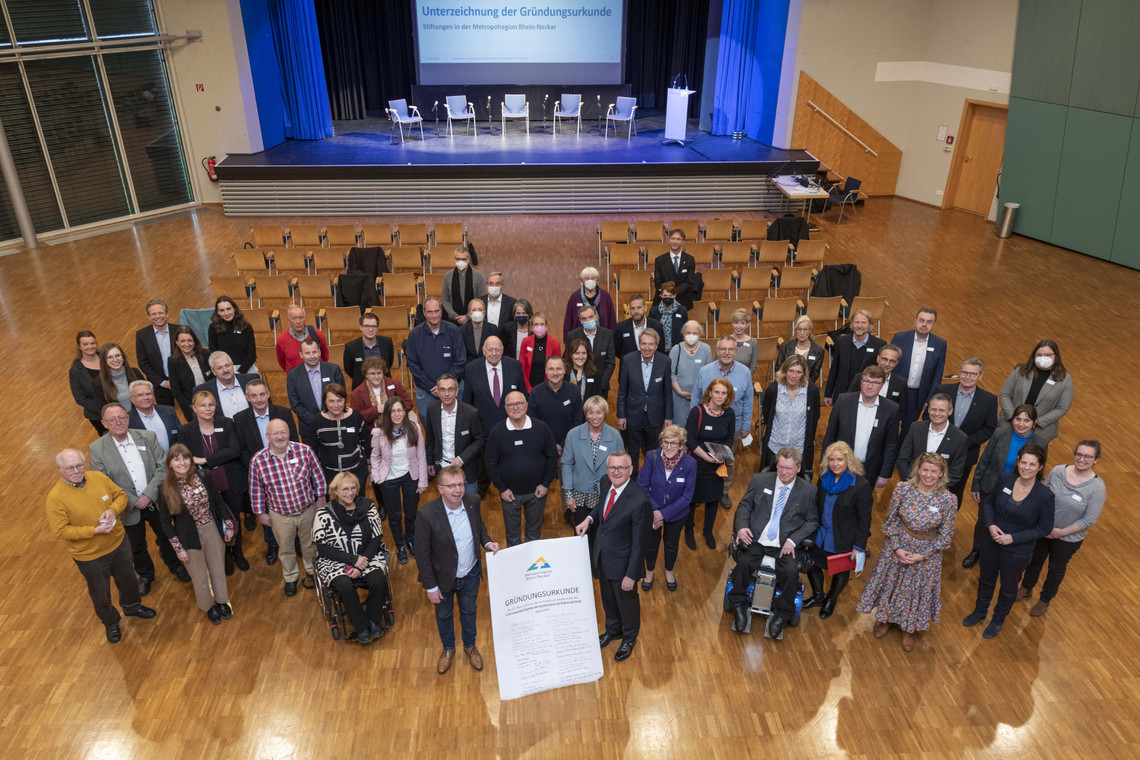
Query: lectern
[[676, 115]]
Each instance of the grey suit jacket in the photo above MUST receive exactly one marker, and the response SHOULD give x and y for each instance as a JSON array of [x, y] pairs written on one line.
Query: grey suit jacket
[[103, 455], [799, 520], [1052, 403], [454, 310]]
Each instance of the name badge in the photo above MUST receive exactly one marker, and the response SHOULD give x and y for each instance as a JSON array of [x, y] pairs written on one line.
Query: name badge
[[1076, 497], [768, 491], [625, 335], [350, 430], [811, 358], [603, 448], [601, 353], [708, 427], [518, 443], [659, 379], [514, 387], [578, 304], [466, 432], [698, 361], [680, 480], [876, 422], [446, 354], [566, 402], [1006, 490], [809, 408], [219, 430], [870, 350], [676, 316], [684, 270], [930, 348], [1050, 381], [932, 510], [894, 393], [360, 358], [528, 348], [292, 460], [106, 497], [143, 448], [325, 379], [945, 456]]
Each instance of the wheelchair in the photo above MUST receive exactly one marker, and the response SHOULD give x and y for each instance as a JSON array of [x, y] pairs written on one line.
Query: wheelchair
[[762, 590], [333, 608]]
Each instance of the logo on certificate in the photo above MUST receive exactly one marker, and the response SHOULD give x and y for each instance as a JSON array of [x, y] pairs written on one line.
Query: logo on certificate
[[540, 568]]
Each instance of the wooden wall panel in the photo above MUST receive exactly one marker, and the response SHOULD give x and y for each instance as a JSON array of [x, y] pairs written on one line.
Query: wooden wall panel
[[814, 133]]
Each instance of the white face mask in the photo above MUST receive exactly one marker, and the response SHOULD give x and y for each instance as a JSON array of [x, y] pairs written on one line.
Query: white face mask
[[476, 317], [691, 339], [494, 291], [461, 265], [1044, 362], [589, 284]]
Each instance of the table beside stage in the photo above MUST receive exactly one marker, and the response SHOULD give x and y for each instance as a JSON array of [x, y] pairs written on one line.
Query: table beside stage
[[793, 190]]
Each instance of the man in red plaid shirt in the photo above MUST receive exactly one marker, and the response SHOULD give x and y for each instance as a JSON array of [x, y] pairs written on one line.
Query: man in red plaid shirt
[[286, 488]]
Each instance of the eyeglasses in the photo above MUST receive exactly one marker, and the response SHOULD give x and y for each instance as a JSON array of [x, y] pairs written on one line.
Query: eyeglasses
[[516, 403], [451, 485], [885, 360], [1084, 457], [966, 373], [620, 468]]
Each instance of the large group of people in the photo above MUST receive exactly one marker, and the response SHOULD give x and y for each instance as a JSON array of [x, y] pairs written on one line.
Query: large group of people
[[499, 400]]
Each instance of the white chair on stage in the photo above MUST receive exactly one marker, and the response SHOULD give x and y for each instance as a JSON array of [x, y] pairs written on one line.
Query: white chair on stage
[[623, 110], [515, 107], [460, 109], [569, 107], [398, 113]]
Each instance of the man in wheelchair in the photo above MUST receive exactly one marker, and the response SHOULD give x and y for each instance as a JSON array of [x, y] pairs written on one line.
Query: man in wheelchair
[[351, 555], [776, 515]]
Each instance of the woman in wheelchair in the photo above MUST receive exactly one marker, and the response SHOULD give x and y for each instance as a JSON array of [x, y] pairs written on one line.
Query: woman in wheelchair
[[351, 554]]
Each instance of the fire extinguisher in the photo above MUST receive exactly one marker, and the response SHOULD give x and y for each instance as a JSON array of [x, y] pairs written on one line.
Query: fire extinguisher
[[209, 163]]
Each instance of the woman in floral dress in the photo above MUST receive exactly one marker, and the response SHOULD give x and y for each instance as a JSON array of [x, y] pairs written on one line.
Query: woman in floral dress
[[906, 586]]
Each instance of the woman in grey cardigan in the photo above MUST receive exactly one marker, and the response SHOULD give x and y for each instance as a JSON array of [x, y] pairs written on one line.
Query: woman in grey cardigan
[[1043, 382], [1078, 494], [584, 458], [686, 359]]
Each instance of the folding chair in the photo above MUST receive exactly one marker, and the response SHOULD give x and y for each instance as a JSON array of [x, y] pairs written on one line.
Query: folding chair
[[315, 291], [795, 281], [650, 232], [774, 252], [809, 253], [413, 234], [700, 313], [767, 351], [305, 235], [341, 235], [431, 284], [263, 321], [395, 322], [691, 228], [826, 311], [399, 289], [406, 258], [377, 235], [622, 256], [723, 314], [273, 292], [720, 230], [754, 283], [753, 229], [267, 236], [653, 250], [630, 281], [449, 234], [290, 262], [611, 232], [704, 253], [781, 311], [329, 263], [250, 262], [341, 324], [719, 284], [736, 255], [874, 304], [237, 288], [276, 380]]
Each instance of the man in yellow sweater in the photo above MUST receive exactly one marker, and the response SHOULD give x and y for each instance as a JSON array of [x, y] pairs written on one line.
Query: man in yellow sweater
[[83, 509]]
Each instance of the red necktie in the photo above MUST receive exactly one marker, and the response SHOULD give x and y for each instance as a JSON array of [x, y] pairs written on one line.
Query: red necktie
[[496, 390], [609, 504]]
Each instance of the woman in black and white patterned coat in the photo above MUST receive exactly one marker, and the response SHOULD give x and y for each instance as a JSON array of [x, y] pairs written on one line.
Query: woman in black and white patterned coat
[[350, 547]]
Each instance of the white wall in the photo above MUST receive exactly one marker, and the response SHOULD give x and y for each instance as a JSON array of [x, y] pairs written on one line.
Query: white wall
[[220, 119], [843, 42]]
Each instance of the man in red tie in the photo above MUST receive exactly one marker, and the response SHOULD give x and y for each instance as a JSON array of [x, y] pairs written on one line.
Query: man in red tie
[[621, 521]]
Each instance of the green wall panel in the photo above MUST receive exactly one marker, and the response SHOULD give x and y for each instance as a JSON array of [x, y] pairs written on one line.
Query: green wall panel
[[1106, 66], [1034, 134], [1043, 52], [1090, 181], [1126, 243]]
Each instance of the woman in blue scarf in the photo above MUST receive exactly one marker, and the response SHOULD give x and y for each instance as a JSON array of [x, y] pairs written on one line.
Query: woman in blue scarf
[[844, 502]]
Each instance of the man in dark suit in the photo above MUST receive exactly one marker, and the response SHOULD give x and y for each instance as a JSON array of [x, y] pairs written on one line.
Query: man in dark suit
[[500, 306], [629, 330], [623, 517], [975, 414], [146, 415], [921, 364], [306, 382], [479, 390], [677, 267], [936, 434], [645, 396], [368, 344], [153, 345], [454, 434], [865, 422], [252, 426], [226, 386], [601, 342], [894, 389], [775, 516], [448, 530], [852, 353]]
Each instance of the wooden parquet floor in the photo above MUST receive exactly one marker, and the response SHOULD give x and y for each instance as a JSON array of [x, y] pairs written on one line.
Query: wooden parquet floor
[[270, 683]]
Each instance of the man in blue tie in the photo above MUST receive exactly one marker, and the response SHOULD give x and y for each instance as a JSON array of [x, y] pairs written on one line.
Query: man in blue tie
[[776, 514]]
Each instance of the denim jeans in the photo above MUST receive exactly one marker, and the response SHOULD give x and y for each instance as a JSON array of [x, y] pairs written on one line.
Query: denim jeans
[[465, 592]]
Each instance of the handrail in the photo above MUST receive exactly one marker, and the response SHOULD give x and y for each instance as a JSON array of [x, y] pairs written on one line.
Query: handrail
[[846, 131]]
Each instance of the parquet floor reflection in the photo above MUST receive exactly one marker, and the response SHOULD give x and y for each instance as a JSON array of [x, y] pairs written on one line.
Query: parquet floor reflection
[[270, 683]]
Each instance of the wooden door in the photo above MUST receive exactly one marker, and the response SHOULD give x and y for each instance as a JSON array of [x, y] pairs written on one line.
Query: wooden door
[[977, 160]]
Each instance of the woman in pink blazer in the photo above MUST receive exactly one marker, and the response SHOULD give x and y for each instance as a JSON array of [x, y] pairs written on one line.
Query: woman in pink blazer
[[399, 468]]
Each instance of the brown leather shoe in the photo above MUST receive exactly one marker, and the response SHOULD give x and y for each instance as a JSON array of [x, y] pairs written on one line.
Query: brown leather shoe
[[881, 629], [474, 657], [907, 641], [1023, 593], [444, 663], [1039, 609]]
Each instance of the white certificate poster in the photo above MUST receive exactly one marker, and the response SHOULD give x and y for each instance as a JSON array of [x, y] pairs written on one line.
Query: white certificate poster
[[543, 616]]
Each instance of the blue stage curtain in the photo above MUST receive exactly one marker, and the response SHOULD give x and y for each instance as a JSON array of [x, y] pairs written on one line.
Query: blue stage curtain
[[748, 67], [303, 90]]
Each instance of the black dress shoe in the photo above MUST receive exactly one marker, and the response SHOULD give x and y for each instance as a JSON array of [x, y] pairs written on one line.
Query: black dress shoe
[[646, 585], [271, 555], [624, 651], [250, 522], [374, 628], [290, 588], [671, 585], [740, 618], [410, 544], [226, 611], [360, 637], [179, 572], [144, 586], [605, 639], [710, 541], [308, 582], [828, 607], [114, 635], [974, 618], [214, 615], [776, 626], [241, 562], [993, 629], [146, 613], [970, 559], [690, 538], [229, 562], [814, 601], [401, 555]]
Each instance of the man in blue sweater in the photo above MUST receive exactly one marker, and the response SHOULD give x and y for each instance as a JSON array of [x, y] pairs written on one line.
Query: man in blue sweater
[[522, 459], [434, 348]]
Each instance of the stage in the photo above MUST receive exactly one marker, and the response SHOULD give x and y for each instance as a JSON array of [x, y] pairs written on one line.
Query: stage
[[362, 171]]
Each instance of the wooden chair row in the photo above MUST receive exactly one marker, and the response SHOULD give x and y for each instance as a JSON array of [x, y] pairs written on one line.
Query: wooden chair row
[[333, 235]]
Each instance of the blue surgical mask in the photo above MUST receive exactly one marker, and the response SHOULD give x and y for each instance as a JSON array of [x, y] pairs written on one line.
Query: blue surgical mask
[[521, 320], [590, 326]]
